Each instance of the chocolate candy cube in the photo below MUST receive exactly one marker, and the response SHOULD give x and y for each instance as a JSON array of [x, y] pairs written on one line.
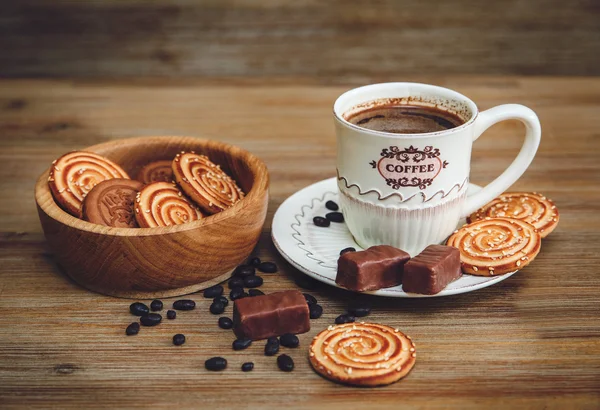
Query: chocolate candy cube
[[432, 270]]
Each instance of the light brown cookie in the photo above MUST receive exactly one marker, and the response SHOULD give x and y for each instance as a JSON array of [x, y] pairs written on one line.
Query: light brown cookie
[[74, 174], [157, 171], [205, 183], [362, 354], [495, 246], [163, 204], [527, 206], [111, 203]]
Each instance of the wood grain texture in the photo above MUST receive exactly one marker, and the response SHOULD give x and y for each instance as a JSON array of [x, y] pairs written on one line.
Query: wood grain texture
[[335, 41], [532, 341]]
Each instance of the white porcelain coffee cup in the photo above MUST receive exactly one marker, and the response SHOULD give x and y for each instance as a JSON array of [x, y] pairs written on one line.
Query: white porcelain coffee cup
[[409, 190]]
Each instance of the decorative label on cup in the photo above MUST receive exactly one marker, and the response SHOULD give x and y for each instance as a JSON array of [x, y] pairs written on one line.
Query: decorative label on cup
[[410, 167]]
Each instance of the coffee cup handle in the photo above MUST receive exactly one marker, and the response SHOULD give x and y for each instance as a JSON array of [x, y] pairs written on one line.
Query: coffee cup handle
[[532, 140]]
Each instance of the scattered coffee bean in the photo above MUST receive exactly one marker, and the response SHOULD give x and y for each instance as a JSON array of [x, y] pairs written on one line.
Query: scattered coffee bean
[[247, 367], [235, 282], [156, 305], [255, 292], [242, 343], [253, 281], [321, 222], [139, 309], [236, 293], [359, 311], [215, 364], [345, 318], [273, 340], [178, 339], [346, 250], [271, 349], [132, 329], [213, 291], [285, 363], [332, 206], [184, 304], [225, 323], [335, 217], [171, 314], [289, 340], [151, 319], [310, 299], [255, 261], [216, 308], [244, 270], [267, 267], [222, 299], [315, 310]]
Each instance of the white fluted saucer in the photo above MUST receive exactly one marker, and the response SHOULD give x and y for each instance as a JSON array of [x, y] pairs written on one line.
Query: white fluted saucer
[[315, 251]]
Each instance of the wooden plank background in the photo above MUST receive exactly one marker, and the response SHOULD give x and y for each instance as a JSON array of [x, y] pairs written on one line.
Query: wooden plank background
[[337, 41], [532, 341]]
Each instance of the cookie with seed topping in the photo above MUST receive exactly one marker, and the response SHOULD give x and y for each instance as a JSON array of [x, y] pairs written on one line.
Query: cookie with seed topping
[[157, 171], [530, 207], [495, 246]]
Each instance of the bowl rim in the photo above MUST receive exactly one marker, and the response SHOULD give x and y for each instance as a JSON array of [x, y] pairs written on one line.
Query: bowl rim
[[45, 200]]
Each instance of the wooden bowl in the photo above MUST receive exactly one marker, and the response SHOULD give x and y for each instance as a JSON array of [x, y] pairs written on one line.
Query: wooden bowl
[[164, 261]]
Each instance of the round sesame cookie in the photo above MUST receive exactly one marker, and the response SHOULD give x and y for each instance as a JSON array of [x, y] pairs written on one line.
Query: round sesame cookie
[[495, 246], [362, 354], [163, 204], [157, 171], [527, 206]]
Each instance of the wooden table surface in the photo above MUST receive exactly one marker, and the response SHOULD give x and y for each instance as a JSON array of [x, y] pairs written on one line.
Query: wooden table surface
[[532, 341]]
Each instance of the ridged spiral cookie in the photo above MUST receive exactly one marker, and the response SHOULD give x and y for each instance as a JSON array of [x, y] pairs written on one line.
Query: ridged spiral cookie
[[527, 206], [362, 354], [163, 204], [205, 182], [495, 246], [74, 174]]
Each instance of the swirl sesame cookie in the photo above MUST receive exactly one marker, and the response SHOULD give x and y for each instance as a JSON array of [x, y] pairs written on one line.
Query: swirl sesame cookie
[[163, 204], [205, 183], [157, 171], [495, 246], [527, 206], [74, 174], [362, 354]]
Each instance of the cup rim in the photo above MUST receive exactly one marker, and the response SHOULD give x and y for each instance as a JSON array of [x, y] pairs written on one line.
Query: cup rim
[[470, 103]]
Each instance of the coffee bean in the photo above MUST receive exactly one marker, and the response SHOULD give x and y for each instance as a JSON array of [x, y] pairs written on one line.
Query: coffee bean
[[359, 311], [271, 349], [242, 343], [335, 217], [171, 314], [178, 339], [247, 367], [321, 222], [222, 299], [332, 206], [216, 308], [346, 250], [184, 304], [132, 329], [244, 270], [152, 319], [267, 267], [289, 340], [225, 323], [236, 293], [255, 261], [253, 281], [273, 340], [139, 309], [215, 364], [315, 311], [285, 363], [156, 305], [341, 319], [213, 291], [310, 299], [235, 282], [255, 292]]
